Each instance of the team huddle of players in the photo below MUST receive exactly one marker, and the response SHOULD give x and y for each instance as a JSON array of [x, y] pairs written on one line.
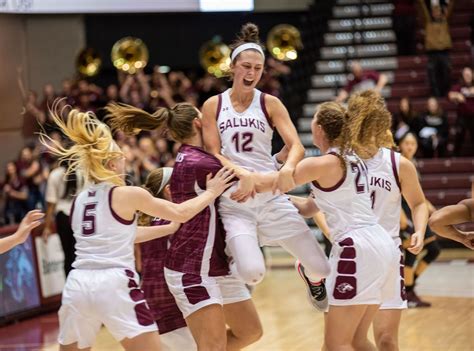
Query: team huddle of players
[[224, 198]]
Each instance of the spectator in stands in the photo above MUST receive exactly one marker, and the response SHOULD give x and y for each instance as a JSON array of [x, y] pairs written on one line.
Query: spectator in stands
[[16, 194], [132, 166], [60, 192], [437, 46], [404, 24], [404, 120], [433, 130], [463, 96], [48, 96], [361, 80], [29, 169], [415, 265], [135, 89], [149, 157]]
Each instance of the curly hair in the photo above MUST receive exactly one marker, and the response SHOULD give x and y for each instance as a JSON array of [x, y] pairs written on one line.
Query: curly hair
[[368, 124]]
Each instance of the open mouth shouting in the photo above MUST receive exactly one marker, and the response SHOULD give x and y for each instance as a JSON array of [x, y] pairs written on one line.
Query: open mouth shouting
[[248, 82]]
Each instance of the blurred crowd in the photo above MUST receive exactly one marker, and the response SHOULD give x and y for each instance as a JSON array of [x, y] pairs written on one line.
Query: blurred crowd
[[431, 125], [24, 180]]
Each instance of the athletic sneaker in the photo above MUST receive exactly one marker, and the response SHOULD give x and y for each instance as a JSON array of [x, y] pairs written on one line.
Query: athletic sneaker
[[415, 302], [316, 292]]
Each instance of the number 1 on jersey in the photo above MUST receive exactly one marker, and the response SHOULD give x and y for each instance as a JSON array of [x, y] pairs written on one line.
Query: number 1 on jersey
[[246, 138], [372, 198]]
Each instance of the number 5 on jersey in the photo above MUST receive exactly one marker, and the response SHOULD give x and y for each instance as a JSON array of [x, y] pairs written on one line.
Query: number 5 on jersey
[[88, 219]]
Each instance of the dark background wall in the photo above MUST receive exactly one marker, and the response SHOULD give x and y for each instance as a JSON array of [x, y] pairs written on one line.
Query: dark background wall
[[174, 39]]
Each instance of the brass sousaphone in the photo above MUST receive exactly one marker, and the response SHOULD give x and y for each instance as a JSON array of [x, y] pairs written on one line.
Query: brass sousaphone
[[214, 56], [284, 41], [129, 54], [88, 62]]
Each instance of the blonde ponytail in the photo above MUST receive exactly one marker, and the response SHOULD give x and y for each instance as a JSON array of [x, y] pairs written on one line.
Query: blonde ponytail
[[92, 146]]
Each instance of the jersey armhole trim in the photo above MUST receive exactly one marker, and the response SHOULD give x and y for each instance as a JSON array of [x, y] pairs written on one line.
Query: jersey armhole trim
[[394, 169], [219, 106], [264, 109], [114, 214], [337, 185]]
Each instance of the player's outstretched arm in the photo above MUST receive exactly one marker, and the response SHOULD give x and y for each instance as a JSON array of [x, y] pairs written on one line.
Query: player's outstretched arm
[[155, 232], [28, 223], [138, 199], [444, 220]]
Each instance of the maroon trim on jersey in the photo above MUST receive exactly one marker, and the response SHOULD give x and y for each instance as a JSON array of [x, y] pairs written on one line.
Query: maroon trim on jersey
[[348, 252], [219, 106], [196, 294], [332, 188], [394, 168], [72, 210], [345, 287], [346, 267], [114, 214], [143, 314], [191, 279], [264, 109], [346, 242]]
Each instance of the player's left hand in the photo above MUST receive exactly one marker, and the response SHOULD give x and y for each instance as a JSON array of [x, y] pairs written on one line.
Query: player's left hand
[[416, 243]]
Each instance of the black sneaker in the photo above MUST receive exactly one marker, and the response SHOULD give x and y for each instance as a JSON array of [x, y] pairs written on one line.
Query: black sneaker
[[316, 293]]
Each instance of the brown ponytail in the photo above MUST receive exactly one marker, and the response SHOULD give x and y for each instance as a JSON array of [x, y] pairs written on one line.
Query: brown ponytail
[[249, 33], [132, 120]]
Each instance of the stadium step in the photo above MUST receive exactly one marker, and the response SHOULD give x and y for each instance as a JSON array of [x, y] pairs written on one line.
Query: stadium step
[[340, 25], [350, 11], [358, 51], [321, 95], [338, 80], [378, 36], [376, 64]]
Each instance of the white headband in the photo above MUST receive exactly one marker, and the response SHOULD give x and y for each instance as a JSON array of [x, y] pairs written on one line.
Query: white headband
[[246, 46], [167, 171]]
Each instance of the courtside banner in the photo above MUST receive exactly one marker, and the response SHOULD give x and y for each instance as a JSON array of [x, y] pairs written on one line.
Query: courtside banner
[[50, 256]]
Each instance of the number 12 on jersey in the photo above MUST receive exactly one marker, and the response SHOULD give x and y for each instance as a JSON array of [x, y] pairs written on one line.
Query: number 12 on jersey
[[242, 141]]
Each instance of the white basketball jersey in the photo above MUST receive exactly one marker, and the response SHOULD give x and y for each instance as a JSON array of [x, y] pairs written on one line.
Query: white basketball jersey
[[347, 204], [246, 137], [103, 239], [384, 188]]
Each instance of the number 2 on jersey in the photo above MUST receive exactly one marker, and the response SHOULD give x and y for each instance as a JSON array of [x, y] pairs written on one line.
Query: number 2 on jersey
[[360, 186], [242, 141]]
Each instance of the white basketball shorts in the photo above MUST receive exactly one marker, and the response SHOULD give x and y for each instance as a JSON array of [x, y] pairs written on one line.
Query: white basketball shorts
[[363, 264], [104, 296], [193, 292]]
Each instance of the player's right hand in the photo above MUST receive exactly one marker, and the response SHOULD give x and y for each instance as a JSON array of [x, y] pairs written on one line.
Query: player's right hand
[[221, 181], [245, 188], [28, 223]]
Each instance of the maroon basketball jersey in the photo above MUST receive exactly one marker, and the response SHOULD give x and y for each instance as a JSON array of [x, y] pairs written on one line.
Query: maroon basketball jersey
[[161, 302], [198, 246]]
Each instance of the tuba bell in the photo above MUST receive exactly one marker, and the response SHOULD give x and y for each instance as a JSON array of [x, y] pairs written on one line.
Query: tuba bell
[[214, 56], [88, 62], [284, 41], [129, 55]]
